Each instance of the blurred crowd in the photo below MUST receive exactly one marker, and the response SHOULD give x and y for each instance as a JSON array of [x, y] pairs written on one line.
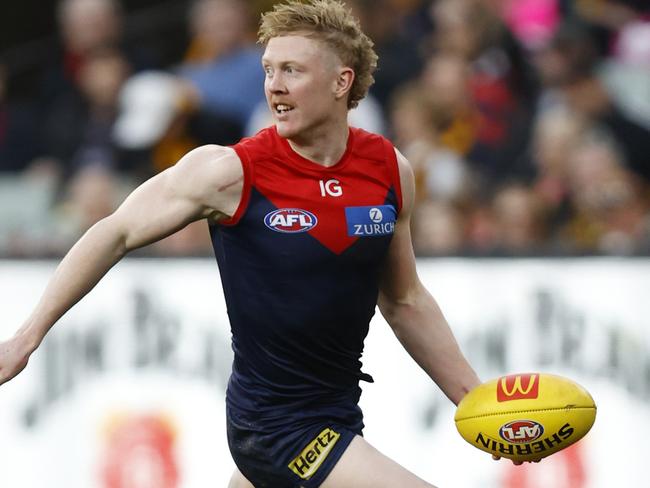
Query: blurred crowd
[[527, 122]]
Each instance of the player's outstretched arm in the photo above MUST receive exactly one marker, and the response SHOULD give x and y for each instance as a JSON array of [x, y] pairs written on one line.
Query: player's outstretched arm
[[413, 313], [206, 183]]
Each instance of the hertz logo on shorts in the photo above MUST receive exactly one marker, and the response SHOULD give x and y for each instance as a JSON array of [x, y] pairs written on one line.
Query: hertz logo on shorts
[[312, 456]]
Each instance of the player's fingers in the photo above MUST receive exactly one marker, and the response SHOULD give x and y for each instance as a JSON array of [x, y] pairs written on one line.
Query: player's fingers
[[516, 463]]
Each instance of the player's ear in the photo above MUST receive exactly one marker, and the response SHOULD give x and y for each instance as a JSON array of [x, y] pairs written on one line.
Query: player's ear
[[344, 82]]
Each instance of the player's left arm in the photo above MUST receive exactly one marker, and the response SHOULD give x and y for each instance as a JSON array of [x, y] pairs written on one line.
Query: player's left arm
[[413, 313]]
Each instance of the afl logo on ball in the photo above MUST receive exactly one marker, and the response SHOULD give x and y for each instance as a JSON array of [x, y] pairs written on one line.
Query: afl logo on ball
[[521, 431], [290, 220]]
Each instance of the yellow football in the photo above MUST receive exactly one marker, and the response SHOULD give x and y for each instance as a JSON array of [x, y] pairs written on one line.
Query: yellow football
[[525, 417]]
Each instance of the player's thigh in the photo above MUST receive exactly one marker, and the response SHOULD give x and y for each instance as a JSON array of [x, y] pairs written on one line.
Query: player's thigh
[[363, 466], [239, 481]]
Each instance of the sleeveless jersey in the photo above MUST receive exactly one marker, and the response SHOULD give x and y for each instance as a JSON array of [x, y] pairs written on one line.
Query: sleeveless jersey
[[299, 263]]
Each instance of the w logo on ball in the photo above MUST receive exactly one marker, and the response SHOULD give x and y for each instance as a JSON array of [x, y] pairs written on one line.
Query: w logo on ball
[[517, 387]]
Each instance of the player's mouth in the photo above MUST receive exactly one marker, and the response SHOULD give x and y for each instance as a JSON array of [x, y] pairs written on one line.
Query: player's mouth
[[282, 108]]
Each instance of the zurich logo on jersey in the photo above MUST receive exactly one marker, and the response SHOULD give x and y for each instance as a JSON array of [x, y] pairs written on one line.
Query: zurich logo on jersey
[[370, 221], [290, 220]]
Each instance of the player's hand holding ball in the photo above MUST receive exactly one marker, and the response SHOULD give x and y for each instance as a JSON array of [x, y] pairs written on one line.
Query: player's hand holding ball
[[525, 417]]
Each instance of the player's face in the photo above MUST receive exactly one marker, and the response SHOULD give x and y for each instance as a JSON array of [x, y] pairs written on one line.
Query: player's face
[[300, 83]]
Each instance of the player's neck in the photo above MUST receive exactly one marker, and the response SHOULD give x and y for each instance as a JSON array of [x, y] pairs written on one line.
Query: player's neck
[[324, 145]]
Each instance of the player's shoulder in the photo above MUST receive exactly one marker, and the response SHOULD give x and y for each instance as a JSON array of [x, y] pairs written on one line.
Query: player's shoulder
[[362, 136], [369, 145], [404, 165], [209, 155], [265, 144], [211, 175], [264, 138], [207, 165]]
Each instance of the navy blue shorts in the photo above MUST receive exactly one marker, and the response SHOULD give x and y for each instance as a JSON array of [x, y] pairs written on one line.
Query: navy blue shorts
[[302, 456]]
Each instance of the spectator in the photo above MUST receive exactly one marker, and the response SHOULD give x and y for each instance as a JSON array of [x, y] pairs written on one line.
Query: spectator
[[19, 143], [606, 18], [87, 25], [421, 122], [519, 220], [556, 133], [610, 214], [568, 69], [627, 73], [217, 28], [211, 97], [230, 85], [90, 195], [400, 55], [446, 85], [152, 120], [454, 88], [499, 83], [532, 21], [78, 127], [438, 229]]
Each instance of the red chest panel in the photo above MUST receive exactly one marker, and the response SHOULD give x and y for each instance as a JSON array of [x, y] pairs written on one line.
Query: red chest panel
[[312, 198]]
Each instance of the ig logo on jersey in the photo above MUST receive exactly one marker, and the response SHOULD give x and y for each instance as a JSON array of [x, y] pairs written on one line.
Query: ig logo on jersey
[[290, 220]]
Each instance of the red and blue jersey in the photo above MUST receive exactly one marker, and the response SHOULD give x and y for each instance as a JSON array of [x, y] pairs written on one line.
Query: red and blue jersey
[[300, 263]]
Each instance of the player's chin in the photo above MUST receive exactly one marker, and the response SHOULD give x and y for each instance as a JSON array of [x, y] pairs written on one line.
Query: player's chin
[[285, 129]]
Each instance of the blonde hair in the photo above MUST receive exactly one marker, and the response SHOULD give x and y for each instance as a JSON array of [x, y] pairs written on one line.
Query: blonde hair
[[332, 23]]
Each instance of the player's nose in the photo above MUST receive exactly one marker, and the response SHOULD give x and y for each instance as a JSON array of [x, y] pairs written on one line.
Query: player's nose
[[275, 84]]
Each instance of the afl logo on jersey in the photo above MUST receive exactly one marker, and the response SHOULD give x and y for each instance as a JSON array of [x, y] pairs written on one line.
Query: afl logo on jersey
[[290, 220]]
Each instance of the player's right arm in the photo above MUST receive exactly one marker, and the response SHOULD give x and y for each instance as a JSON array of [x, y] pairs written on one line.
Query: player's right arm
[[205, 183]]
